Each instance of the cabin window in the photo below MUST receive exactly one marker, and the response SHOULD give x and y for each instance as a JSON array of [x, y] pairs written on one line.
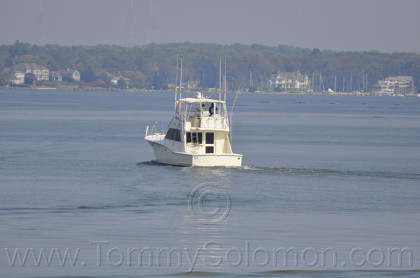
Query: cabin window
[[210, 138], [194, 137], [209, 149], [173, 134]]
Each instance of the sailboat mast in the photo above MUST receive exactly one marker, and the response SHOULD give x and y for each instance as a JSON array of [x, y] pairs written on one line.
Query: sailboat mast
[[366, 83], [363, 75], [313, 82], [335, 83]]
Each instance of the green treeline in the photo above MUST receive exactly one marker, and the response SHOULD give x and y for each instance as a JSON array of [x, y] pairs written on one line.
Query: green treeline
[[248, 67]]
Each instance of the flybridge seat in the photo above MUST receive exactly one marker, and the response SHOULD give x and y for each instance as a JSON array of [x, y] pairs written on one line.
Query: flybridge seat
[[206, 122]]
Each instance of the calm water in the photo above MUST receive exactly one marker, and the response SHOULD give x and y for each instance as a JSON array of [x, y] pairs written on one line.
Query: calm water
[[330, 188]]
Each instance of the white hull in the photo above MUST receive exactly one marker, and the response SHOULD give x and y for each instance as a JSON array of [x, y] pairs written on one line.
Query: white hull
[[166, 156]]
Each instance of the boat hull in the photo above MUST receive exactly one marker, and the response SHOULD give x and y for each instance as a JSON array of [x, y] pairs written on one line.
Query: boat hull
[[165, 155]]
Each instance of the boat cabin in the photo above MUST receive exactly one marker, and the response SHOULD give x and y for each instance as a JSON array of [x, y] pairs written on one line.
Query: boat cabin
[[200, 126]]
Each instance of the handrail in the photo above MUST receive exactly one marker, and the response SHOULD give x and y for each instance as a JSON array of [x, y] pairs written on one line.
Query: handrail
[[154, 130]]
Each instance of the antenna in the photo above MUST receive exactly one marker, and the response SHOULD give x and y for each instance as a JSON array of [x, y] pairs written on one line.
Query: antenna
[[151, 36], [40, 32], [130, 22]]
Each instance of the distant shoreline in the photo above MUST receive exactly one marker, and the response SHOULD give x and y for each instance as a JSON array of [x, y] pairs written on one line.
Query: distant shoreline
[[97, 89]]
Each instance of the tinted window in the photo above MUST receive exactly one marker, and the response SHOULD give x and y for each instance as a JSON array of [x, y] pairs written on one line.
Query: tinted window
[[209, 149], [209, 138], [173, 134], [194, 137]]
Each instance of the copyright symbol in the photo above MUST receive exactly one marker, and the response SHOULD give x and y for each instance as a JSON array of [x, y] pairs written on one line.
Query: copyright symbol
[[209, 203]]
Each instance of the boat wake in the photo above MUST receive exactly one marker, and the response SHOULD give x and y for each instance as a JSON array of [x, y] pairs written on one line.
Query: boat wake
[[331, 172], [155, 163], [297, 171]]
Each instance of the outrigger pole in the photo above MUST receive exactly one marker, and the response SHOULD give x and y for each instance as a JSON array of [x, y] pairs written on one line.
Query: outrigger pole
[[225, 82], [180, 82], [176, 80], [220, 79]]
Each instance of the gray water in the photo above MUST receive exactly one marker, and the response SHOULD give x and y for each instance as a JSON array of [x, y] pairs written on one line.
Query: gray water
[[329, 188]]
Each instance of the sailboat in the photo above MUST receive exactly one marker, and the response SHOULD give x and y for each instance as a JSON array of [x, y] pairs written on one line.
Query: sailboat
[[197, 135]]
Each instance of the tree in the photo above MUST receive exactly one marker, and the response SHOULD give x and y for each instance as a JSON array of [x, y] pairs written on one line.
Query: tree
[[316, 52], [5, 77], [157, 82], [30, 78], [123, 83], [154, 65], [136, 79], [88, 74], [20, 48]]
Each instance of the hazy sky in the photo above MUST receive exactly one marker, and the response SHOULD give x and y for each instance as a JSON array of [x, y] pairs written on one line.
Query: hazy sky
[[385, 25]]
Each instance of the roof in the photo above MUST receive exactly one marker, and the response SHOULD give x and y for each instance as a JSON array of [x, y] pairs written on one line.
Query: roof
[[399, 78], [29, 66], [67, 71], [200, 100], [296, 75]]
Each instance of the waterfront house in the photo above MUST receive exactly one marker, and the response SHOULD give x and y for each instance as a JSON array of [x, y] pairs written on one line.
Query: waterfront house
[[56, 76], [39, 72], [395, 85], [290, 81], [18, 77], [70, 75]]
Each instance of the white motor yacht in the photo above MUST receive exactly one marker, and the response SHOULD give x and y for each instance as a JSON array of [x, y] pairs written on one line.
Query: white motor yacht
[[198, 135]]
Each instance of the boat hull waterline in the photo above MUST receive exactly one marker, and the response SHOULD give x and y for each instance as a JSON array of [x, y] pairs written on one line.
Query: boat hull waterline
[[165, 155]]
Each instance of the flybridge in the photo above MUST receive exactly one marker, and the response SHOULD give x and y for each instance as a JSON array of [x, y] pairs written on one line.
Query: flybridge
[[202, 113]]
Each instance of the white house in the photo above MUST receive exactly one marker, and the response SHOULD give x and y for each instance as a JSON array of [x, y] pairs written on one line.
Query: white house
[[293, 81], [18, 78], [40, 72], [395, 85], [70, 75], [56, 76]]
